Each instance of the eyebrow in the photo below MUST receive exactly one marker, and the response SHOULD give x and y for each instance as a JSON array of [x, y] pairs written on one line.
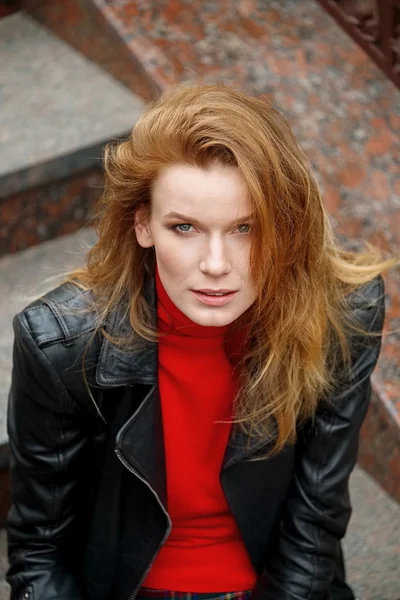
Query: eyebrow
[[187, 219]]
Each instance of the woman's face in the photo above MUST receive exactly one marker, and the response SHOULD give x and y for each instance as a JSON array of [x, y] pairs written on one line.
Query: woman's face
[[200, 227]]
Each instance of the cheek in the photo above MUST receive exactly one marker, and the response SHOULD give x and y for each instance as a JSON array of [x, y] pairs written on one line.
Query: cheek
[[242, 261], [173, 260]]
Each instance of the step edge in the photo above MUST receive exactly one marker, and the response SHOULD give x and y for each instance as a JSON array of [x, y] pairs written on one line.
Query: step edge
[[55, 169]]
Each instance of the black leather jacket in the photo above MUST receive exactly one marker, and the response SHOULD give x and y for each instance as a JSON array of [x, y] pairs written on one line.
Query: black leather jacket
[[89, 508]]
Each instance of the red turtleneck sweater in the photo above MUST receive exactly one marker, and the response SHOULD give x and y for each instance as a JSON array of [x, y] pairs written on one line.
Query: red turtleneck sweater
[[205, 551]]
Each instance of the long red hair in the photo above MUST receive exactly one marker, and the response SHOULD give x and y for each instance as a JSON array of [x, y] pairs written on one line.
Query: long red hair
[[296, 325]]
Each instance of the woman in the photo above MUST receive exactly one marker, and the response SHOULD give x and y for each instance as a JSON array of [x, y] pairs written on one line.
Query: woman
[[184, 411]]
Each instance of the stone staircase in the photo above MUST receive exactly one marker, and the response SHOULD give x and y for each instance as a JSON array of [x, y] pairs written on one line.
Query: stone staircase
[[344, 111], [58, 110], [77, 74]]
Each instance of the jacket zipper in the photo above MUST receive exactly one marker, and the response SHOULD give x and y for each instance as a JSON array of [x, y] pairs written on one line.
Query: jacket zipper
[[168, 531]]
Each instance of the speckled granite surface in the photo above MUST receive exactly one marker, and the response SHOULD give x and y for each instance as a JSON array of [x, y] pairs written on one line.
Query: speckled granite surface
[[379, 449], [372, 546], [87, 30], [34, 216], [57, 108]]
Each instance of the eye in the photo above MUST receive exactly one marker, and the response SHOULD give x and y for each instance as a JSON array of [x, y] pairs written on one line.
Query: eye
[[245, 228], [183, 228]]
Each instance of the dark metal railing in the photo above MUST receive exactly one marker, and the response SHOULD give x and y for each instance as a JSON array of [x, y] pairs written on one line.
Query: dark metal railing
[[375, 26]]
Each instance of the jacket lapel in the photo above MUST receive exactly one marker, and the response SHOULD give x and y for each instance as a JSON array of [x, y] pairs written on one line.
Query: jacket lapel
[[140, 441], [240, 448]]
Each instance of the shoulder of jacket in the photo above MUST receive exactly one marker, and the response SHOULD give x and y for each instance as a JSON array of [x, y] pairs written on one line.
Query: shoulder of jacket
[[61, 315], [367, 304]]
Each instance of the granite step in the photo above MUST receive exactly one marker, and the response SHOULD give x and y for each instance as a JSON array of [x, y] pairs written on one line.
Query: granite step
[[345, 112], [87, 29], [58, 110]]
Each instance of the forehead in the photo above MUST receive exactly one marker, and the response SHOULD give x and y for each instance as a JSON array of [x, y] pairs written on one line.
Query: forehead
[[216, 194]]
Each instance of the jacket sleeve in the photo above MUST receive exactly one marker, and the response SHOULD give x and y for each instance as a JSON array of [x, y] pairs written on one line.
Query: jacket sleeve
[[317, 510], [47, 445]]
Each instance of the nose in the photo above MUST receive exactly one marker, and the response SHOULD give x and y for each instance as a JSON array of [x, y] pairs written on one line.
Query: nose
[[215, 261]]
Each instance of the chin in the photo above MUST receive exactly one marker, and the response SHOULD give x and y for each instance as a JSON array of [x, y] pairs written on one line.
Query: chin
[[211, 320]]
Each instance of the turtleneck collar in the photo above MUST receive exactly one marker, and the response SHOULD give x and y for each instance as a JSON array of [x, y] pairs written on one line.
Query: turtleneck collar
[[174, 321]]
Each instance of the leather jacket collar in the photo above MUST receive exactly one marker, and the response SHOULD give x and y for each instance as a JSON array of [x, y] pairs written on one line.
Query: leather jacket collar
[[121, 367], [72, 320]]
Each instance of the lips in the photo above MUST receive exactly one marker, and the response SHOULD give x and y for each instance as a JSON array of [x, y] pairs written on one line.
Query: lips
[[214, 297], [215, 292]]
